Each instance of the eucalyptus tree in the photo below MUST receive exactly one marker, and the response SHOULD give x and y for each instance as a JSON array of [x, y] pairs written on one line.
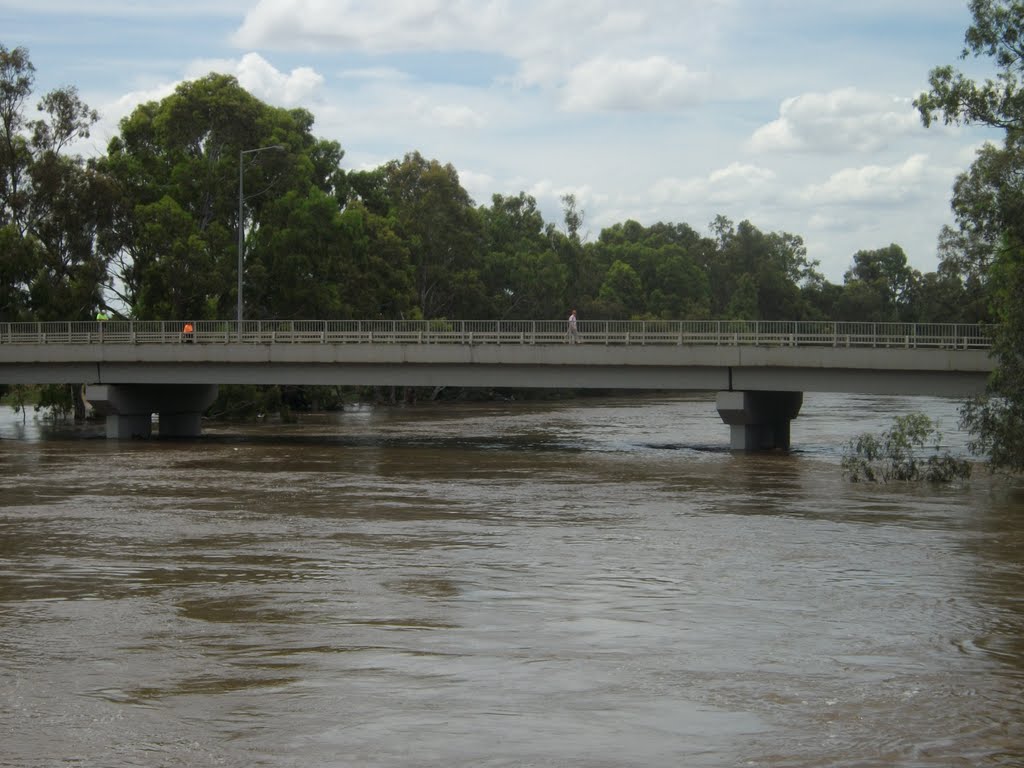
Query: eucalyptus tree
[[435, 217], [52, 202], [988, 202], [622, 294], [775, 266], [880, 286], [181, 165], [665, 259], [522, 273]]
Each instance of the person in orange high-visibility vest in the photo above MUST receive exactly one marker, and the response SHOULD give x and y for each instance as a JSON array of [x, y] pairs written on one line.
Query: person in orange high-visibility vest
[[188, 332]]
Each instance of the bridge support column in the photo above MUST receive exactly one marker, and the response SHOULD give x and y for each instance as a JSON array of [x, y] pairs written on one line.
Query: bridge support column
[[759, 421], [129, 408]]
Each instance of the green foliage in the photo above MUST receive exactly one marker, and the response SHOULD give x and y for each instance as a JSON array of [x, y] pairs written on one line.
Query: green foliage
[[57, 401], [996, 419], [523, 275], [996, 33], [621, 293], [880, 286], [988, 252], [180, 165], [51, 205], [19, 397], [910, 451], [436, 218], [776, 265], [743, 301]]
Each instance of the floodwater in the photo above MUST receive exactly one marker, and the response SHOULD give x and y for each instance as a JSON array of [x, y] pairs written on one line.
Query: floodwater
[[587, 583]]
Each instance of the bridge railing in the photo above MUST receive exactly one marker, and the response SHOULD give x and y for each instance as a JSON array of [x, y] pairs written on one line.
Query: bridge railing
[[794, 333]]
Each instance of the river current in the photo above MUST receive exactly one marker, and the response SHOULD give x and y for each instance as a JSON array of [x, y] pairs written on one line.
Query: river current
[[577, 583]]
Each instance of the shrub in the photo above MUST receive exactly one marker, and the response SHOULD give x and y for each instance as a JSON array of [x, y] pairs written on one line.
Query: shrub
[[909, 451]]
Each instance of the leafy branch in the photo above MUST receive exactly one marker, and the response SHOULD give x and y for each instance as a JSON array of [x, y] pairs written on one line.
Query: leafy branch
[[910, 451]]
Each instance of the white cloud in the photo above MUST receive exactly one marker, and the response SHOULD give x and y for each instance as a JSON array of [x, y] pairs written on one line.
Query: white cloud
[[254, 73], [120, 9], [877, 184], [263, 80], [383, 26], [847, 119], [969, 153], [652, 83], [736, 182], [552, 44], [549, 196], [452, 116], [545, 189], [480, 186], [111, 114]]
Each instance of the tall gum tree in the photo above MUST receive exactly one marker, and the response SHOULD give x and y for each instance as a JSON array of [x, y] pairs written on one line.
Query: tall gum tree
[[524, 276], [435, 216], [53, 203], [177, 162], [988, 203]]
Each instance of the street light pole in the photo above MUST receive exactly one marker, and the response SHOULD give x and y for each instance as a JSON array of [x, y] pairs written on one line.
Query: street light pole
[[241, 222]]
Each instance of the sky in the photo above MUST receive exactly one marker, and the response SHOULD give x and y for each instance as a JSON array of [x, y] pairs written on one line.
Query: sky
[[796, 115]]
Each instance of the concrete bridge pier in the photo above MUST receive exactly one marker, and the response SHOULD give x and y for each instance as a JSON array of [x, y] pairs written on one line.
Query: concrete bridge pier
[[759, 421], [129, 408]]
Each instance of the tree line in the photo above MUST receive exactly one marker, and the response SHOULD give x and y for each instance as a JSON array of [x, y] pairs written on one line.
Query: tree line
[[150, 229]]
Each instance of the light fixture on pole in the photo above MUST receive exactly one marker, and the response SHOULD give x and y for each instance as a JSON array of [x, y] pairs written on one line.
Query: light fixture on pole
[[241, 222]]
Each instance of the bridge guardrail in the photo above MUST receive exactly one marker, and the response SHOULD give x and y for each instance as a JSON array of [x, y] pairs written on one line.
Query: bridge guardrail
[[608, 332]]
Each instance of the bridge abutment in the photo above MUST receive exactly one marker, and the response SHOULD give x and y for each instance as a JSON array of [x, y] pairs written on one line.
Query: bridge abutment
[[759, 421], [129, 408]]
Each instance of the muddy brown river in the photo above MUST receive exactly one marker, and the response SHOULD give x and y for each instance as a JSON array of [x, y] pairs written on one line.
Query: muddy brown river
[[588, 583]]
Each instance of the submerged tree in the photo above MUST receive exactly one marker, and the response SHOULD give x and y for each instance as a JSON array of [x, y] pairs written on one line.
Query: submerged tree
[[910, 451]]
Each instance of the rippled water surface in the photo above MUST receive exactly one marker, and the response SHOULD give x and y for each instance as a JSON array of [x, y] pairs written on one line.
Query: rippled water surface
[[596, 583]]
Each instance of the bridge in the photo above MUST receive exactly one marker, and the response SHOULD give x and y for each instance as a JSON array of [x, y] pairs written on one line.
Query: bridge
[[759, 369]]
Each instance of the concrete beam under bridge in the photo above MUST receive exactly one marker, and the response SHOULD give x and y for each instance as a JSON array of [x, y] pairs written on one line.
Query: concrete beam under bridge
[[759, 421], [129, 408]]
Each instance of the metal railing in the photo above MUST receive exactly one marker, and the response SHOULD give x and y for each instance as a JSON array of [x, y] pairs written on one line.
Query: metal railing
[[608, 332]]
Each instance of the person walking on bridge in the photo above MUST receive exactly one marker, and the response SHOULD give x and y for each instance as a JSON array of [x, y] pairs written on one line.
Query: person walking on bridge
[[571, 333]]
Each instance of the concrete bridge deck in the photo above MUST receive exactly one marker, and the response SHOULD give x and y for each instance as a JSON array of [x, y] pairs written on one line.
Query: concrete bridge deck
[[725, 356]]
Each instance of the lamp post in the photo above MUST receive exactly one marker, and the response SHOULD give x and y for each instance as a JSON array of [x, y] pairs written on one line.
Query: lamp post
[[241, 222]]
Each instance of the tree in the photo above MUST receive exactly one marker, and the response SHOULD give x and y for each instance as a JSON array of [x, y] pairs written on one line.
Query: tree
[[584, 277], [312, 260], [174, 239], [775, 264], [665, 260], [885, 274], [940, 297], [621, 293], [680, 289], [910, 451], [988, 203], [964, 260], [522, 273], [52, 204], [436, 218]]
